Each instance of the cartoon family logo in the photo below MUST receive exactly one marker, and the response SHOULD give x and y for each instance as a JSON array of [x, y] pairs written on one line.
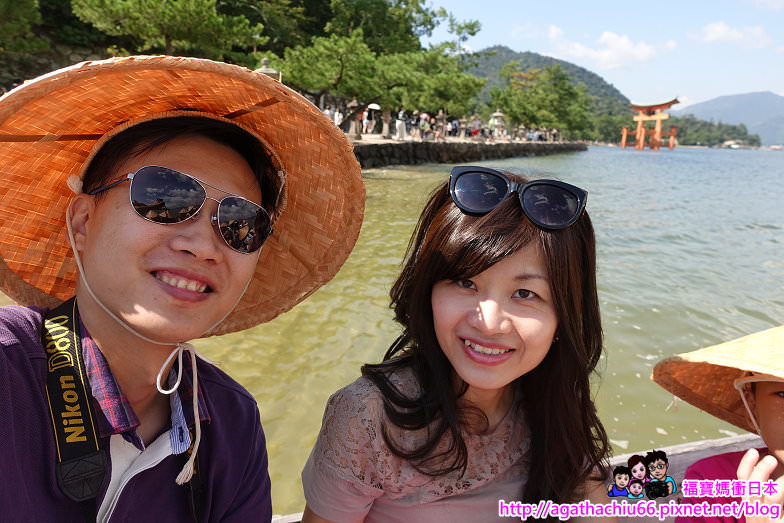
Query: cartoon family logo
[[643, 474]]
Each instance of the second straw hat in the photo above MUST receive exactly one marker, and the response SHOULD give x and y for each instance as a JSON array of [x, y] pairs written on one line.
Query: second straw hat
[[50, 125], [705, 377]]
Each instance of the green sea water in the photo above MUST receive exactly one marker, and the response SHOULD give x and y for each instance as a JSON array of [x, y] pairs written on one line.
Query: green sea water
[[690, 253]]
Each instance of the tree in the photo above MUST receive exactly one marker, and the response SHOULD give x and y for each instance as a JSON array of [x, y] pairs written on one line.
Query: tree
[[283, 23], [348, 68], [388, 26], [63, 27], [428, 80], [342, 66], [445, 85], [171, 25], [544, 97], [17, 18], [692, 131], [607, 128]]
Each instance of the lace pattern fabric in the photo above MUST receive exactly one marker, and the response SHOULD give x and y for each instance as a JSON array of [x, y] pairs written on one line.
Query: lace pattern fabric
[[351, 452]]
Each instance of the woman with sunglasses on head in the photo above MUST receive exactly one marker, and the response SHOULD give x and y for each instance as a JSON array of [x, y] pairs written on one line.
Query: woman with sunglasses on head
[[139, 200], [741, 382], [485, 396]]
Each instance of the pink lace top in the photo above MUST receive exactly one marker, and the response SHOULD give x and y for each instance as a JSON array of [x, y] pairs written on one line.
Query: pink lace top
[[351, 474]]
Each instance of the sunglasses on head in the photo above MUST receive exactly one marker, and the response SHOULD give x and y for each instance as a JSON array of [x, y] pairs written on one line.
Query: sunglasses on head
[[166, 196], [549, 204]]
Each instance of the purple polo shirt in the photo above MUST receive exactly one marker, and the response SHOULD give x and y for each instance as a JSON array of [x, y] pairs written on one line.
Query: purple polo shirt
[[232, 454]]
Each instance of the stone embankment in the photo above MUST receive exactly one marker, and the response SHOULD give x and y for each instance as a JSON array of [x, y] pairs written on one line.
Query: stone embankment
[[409, 153]]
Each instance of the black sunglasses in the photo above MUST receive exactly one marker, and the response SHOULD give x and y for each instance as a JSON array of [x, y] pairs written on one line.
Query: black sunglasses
[[549, 204], [166, 196]]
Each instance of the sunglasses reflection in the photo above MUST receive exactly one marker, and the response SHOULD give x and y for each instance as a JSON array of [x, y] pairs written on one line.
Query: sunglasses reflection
[[238, 233], [158, 211]]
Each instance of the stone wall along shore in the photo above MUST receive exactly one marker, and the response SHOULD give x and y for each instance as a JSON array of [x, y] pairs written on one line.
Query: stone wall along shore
[[409, 153]]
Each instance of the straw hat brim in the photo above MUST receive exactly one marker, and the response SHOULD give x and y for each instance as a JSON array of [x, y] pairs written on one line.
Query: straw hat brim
[[49, 126], [705, 377]]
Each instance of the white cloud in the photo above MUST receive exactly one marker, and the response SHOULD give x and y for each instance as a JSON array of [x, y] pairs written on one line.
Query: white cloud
[[749, 37], [780, 49], [612, 50], [670, 44]]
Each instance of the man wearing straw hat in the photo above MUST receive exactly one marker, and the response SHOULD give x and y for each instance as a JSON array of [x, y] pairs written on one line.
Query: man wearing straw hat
[[149, 201], [740, 382]]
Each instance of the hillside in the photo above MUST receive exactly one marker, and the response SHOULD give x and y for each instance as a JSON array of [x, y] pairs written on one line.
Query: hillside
[[762, 113], [491, 60]]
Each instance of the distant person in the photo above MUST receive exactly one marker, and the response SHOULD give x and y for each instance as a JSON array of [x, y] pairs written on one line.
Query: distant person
[[367, 121], [486, 393], [338, 117], [130, 227], [414, 125], [435, 131], [329, 112], [400, 123], [742, 383], [424, 128]]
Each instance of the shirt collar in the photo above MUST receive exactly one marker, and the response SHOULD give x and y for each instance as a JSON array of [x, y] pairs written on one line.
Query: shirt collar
[[118, 416]]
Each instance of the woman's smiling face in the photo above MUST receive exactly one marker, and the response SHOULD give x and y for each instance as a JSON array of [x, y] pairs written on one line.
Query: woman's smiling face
[[499, 324]]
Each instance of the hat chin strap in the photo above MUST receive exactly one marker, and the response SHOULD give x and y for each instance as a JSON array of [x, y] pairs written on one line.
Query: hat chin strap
[[740, 385], [187, 470]]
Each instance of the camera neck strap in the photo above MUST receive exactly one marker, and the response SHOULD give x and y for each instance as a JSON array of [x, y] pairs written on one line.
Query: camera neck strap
[[81, 467], [81, 464]]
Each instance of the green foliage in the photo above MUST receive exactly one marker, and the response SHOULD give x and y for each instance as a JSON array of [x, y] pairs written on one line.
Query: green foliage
[[388, 26], [343, 66], [63, 27], [607, 128], [692, 131], [544, 98], [17, 18], [346, 67], [282, 21], [492, 60], [610, 106], [442, 84], [317, 13], [181, 25]]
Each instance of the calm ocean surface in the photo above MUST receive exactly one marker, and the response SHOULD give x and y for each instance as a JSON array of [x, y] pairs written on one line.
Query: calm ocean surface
[[690, 253]]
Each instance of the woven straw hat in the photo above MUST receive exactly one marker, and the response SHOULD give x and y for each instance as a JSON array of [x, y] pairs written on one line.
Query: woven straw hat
[[49, 127], [705, 377]]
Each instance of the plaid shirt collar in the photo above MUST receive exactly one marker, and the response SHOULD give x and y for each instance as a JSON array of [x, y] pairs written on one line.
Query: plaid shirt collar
[[118, 415]]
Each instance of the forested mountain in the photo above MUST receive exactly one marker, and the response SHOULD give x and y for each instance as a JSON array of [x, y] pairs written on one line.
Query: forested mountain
[[608, 99], [762, 113]]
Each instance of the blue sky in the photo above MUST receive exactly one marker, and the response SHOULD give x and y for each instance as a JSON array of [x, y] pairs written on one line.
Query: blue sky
[[693, 49]]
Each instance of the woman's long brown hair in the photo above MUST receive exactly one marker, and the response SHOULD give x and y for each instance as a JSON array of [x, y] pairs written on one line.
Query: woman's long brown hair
[[568, 442]]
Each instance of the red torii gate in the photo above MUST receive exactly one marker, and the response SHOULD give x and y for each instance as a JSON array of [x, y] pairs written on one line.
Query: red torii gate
[[647, 113]]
